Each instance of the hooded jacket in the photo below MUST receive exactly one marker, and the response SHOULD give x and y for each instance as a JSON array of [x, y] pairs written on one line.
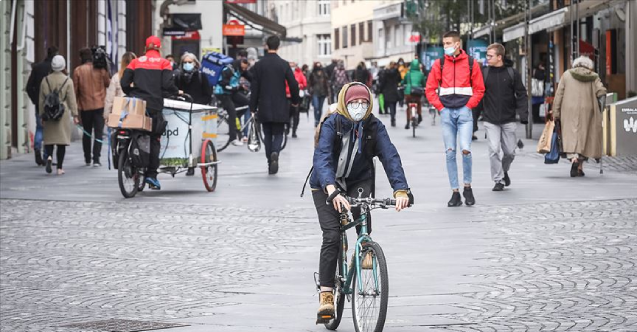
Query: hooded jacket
[[414, 77], [373, 142], [456, 88]]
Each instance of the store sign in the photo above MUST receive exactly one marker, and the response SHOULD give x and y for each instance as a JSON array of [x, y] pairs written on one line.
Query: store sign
[[413, 39], [234, 30], [478, 50]]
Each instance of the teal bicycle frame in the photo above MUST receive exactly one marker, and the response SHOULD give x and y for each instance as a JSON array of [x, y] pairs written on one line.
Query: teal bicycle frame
[[356, 266]]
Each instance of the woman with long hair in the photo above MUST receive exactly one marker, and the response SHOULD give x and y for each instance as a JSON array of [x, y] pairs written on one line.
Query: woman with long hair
[[115, 88]]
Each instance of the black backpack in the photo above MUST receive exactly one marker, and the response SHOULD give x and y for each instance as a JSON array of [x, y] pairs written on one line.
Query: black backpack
[[53, 106]]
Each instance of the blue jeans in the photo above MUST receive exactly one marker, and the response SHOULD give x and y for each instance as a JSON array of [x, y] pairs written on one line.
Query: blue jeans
[[39, 134], [317, 104], [457, 128]]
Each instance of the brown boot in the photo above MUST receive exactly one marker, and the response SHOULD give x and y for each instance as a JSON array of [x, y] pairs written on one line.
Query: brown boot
[[326, 307]]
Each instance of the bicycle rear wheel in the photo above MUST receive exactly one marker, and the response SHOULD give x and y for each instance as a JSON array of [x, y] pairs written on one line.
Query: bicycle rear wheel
[[223, 133], [339, 296], [127, 176], [369, 304], [209, 172]]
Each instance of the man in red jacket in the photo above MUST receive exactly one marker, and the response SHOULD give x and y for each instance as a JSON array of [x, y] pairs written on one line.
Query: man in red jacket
[[458, 80], [151, 77], [294, 110]]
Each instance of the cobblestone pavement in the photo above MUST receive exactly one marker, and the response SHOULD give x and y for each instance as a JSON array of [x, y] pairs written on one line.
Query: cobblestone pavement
[[558, 267]]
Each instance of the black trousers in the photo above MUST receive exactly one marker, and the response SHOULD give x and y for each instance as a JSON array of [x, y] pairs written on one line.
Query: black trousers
[[476, 115], [294, 117], [272, 137], [228, 105], [155, 142], [330, 225], [390, 108], [60, 153], [93, 123]]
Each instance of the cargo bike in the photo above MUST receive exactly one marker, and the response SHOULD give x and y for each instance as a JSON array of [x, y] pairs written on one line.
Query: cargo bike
[[187, 142]]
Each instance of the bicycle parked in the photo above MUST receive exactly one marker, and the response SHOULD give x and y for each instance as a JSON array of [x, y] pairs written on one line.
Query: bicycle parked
[[223, 127], [367, 287]]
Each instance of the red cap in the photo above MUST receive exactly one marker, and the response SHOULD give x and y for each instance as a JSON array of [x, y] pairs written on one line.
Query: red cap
[[356, 91], [153, 42]]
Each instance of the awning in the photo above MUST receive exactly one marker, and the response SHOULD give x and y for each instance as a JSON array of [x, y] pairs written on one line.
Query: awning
[[255, 20], [483, 31]]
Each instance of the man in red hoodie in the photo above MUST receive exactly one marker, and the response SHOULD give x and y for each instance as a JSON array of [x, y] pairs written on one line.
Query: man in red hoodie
[[150, 77], [458, 80], [294, 110]]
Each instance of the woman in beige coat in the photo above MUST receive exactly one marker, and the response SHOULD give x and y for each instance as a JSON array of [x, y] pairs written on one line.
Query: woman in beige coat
[[58, 132], [577, 107], [115, 88]]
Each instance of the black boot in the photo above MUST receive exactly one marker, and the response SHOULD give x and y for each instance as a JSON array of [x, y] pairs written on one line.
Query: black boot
[[419, 118], [468, 196], [455, 200], [393, 122], [38, 157]]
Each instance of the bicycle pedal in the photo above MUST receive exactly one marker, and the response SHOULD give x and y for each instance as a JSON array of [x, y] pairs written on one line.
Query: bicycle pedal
[[323, 319]]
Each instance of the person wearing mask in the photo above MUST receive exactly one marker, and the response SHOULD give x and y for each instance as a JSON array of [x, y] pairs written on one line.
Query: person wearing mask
[[39, 71], [454, 89], [504, 96], [173, 63], [150, 77], [90, 90], [58, 132], [115, 88], [191, 81], [306, 71], [339, 77], [294, 110], [577, 108], [389, 89], [329, 70], [348, 141], [414, 83], [268, 99], [226, 88], [319, 89]]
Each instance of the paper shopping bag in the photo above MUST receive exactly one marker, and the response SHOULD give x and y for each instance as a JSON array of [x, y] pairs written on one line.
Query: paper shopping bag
[[544, 145]]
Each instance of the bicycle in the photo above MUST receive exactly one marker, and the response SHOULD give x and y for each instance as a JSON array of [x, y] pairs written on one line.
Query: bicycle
[[413, 109], [223, 128], [367, 289], [129, 177]]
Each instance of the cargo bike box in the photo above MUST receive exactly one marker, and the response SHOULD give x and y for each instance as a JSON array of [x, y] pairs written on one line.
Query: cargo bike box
[[129, 113]]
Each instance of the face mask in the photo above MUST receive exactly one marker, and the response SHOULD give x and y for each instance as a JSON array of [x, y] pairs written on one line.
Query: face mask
[[357, 111], [450, 50], [189, 66]]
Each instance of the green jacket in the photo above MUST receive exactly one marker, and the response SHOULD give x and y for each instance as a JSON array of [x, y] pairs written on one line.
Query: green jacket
[[414, 77]]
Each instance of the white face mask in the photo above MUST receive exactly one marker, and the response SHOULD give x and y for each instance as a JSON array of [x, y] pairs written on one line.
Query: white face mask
[[357, 111]]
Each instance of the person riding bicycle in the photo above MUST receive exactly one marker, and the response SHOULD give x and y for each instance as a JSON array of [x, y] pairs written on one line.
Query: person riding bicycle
[[348, 141], [150, 78], [414, 83], [226, 88]]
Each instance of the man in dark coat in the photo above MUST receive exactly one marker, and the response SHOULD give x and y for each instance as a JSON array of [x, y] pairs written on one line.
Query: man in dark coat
[[38, 73], [389, 89], [269, 102], [329, 70]]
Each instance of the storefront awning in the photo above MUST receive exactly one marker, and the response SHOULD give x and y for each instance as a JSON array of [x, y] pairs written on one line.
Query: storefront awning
[[484, 31], [255, 20]]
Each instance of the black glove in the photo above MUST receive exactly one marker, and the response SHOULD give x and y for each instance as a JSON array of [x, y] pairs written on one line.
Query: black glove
[[524, 122]]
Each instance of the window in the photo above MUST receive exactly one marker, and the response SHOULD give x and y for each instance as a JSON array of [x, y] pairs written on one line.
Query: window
[[370, 26], [381, 33], [324, 45], [361, 32], [388, 44], [337, 39], [397, 35], [353, 27], [345, 37], [324, 7]]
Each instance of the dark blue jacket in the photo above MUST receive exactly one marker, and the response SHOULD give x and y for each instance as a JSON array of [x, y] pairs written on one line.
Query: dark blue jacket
[[326, 158]]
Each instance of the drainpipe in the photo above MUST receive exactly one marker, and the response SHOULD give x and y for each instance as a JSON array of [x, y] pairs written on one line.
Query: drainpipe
[[529, 68]]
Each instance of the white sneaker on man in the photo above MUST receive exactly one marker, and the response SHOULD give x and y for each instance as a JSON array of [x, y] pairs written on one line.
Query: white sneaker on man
[[237, 142]]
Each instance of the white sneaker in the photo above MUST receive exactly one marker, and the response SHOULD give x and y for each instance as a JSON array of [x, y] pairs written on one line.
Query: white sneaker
[[237, 142]]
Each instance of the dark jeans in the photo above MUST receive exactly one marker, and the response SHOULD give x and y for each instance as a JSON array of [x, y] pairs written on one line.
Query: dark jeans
[[390, 107], [39, 133], [228, 105], [330, 225], [60, 153], [317, 104], [240, 100], [272, 137], [155, 143], [294, 117], [93, 123]]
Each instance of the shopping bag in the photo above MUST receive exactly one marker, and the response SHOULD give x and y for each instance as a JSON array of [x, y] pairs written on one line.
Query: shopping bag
[[553, 157], [543, 108], [544, 144], [254, 142]]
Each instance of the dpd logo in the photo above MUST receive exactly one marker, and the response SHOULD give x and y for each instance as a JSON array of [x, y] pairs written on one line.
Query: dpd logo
[[168, 133], [630, 124]]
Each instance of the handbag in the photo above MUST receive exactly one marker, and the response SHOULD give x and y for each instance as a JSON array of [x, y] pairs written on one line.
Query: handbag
[[417, 91], [553, 157], [537, 88], [254, 142], [544, 144]]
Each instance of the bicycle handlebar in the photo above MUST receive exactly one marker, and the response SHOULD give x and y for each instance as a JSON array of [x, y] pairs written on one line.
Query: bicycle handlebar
[[381, 202]]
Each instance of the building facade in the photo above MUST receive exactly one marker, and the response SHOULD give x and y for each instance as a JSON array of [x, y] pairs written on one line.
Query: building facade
[[393, 34], [353, 31]]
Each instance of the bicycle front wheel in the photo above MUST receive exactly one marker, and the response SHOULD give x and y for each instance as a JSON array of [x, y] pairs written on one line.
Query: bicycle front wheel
[[369, 304], [223, 133], [339, 299]]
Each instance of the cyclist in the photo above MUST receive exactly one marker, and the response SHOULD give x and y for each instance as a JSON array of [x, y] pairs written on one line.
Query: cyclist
[[152, 79], [348, 141], [225, 89], [414, 83]]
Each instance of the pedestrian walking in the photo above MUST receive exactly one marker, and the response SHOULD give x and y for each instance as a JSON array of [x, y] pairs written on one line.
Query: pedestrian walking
[[319, 89], [90, 90], [537, 96], [577, 108], [329, 70], [150, 77], [402, 69], [361, 74], [460, 88], [504, 96], [57, 132], [115, 88], [348, 141], [294, 110], [339, 77], [268, 99], [191, 81], [390, 79], [38, 72], [414, 83]]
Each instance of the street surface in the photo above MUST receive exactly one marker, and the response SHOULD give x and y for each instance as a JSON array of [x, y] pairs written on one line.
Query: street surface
[[550, 253]]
